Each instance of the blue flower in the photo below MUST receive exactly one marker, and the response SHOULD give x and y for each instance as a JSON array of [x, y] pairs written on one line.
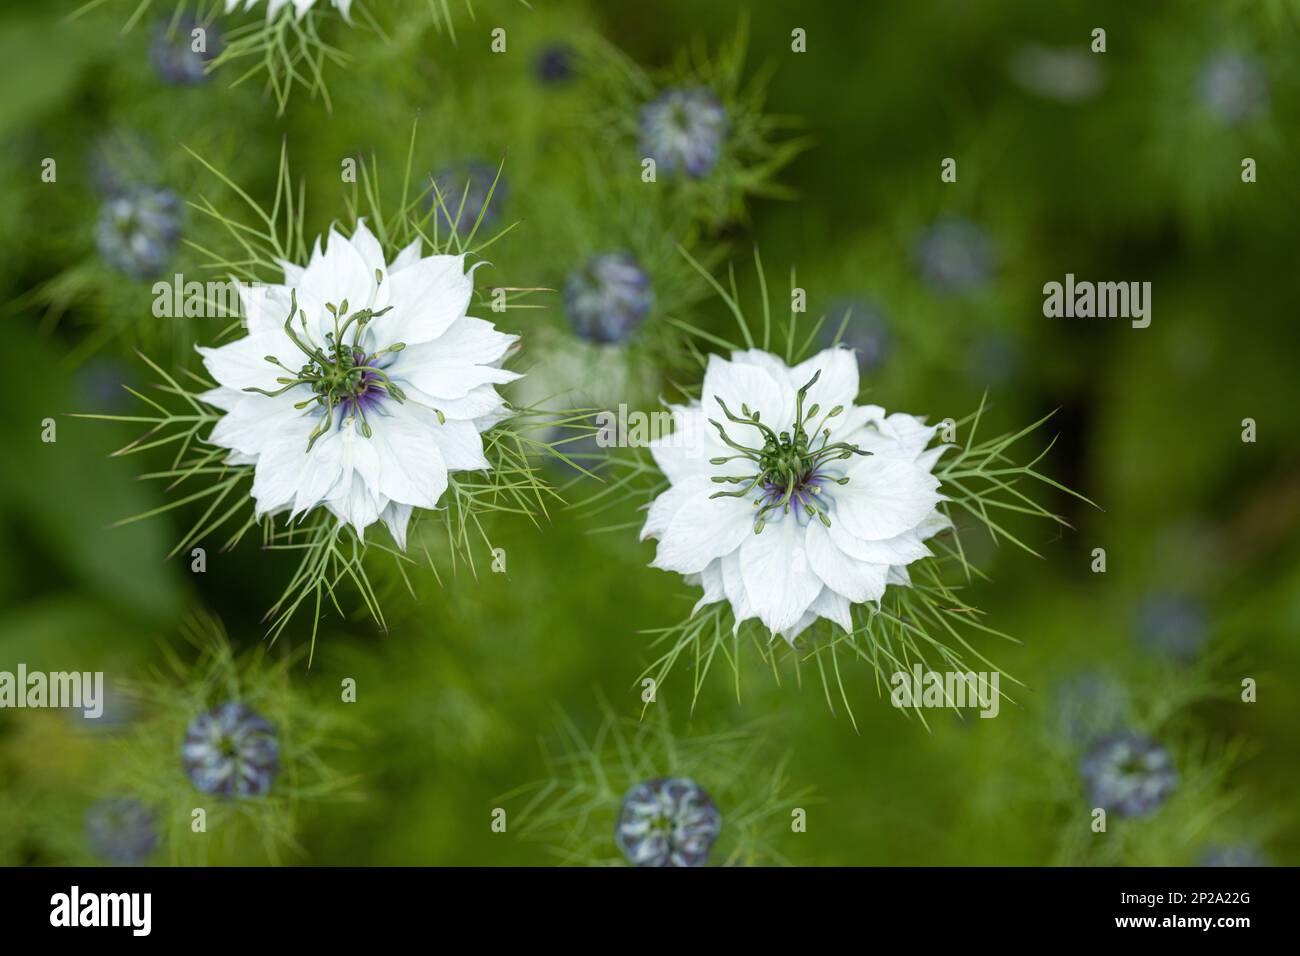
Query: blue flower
[[1234, 854], [864, 330], [607, 298], [1173, 625], [469, 182], [1128, 774], [554, 64], [1233, 87], [121, 830], [684, 130], [138, 230], [231, 750], [173, 53], [955, 256], [667, 822]]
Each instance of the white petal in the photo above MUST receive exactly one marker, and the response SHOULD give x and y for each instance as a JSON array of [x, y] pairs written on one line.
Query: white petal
[[897, 436], [930, 457], [683, 453], [223, 398], [711, 581], [932, 525], [859, 581], [902, 549], [733, 585], [764, 360], [837, 383], [280, 470], [426, 298], [319, 480], [355, 505], [778, 577], [409, 256], [340, 274], [884, 498], [468, 341], [441, 382], [292, 273], [265, 307], [364, 241], [703, 528], [242, 364], [412, 470], [663, 509], [396, 516], [460, 444], [738, 384], [477, 403], [257, 421], [834, 607]]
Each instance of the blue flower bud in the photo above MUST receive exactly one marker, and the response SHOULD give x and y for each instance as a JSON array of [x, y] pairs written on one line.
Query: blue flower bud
[[683, 130], [138, 230], [554, 64], [1128, 774], [1233, 87], [121, 830], [954, 256], [667, 822], [231, 750], [1234, 854], [173, 54], [608, 297]]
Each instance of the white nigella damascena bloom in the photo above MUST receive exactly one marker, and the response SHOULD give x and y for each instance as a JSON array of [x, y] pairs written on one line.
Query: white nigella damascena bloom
[[786, 499], [300, 7], [361, 383]]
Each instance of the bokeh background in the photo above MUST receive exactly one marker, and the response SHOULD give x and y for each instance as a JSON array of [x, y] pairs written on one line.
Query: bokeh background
[[1122, 165]]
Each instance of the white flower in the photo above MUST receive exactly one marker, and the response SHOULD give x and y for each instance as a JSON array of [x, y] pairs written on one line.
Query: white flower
[[300, 6], [378, 388], [808, 504]]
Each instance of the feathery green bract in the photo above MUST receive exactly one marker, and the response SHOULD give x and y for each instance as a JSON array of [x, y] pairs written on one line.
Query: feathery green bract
[[329, 554], [928, 623], [201, 673], [575, 808]]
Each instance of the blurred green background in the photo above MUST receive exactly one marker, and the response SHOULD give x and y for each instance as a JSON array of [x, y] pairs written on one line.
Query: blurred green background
[[1122, 165]]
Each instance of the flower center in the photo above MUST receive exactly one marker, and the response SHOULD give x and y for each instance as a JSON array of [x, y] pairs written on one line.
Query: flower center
[[789, 468], [341, 375]]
